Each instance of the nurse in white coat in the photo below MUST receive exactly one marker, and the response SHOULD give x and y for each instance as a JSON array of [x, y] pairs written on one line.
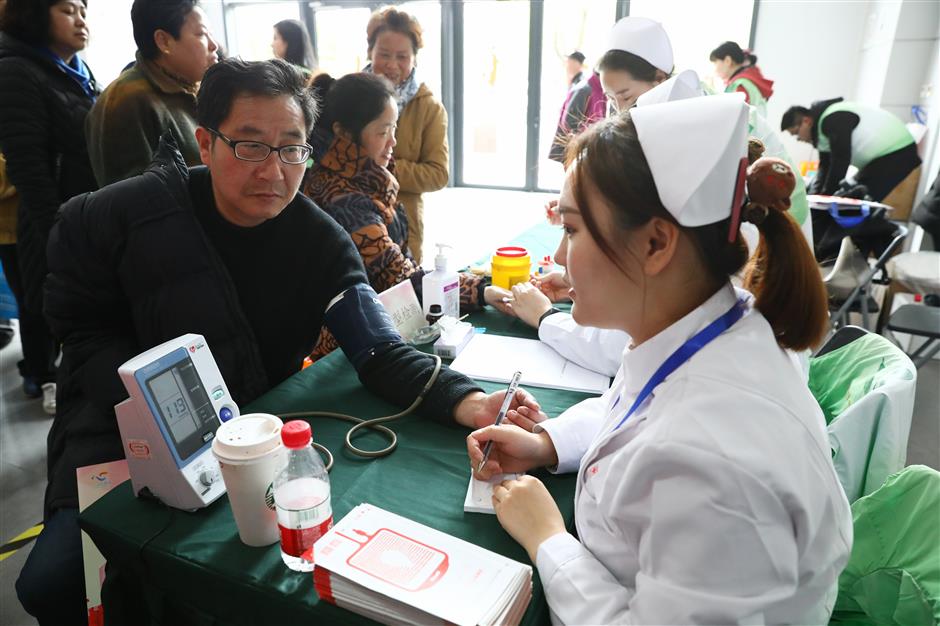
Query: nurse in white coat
[[597, 349], [705, 491]]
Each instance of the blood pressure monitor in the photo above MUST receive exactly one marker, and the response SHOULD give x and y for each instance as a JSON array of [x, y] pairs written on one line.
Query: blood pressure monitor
[[177, 401]]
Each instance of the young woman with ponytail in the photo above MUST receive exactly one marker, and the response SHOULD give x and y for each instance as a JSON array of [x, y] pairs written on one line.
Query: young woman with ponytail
[[705, 490], [738, 68]]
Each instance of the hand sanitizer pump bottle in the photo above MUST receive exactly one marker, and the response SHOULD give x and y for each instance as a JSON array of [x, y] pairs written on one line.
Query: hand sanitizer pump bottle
[[441, 286]]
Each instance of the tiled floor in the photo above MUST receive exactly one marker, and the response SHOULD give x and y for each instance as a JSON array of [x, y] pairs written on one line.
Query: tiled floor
[[475, 222]]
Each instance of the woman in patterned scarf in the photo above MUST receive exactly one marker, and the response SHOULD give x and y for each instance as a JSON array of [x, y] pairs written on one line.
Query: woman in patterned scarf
[[354, 181]]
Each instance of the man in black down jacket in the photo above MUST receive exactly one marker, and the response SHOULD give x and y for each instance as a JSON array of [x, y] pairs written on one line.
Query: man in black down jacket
[[232, 252]]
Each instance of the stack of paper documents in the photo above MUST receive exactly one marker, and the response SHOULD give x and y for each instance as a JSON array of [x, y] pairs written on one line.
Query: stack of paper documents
[[496, 358], [396, 571]]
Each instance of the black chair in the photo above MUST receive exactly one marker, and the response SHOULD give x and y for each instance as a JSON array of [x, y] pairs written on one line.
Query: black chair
[[920, 321], [842, 337], [858, 298]]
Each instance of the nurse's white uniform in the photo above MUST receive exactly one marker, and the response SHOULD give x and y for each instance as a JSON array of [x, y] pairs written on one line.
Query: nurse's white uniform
[[715, 502], [597, 349]]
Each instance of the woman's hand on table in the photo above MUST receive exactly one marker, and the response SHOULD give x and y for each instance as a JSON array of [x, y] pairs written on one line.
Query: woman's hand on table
[[514, 450], [553, 285], [528, 512], [499, 298], [529, 304], [478, 409]]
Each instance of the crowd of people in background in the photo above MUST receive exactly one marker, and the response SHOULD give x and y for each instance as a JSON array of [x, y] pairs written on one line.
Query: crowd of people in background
[[364, 148]]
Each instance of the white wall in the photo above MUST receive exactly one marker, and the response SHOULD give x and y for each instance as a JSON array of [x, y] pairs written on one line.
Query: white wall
[[884, 53], [931, 146], [111, 44], [810, 50]]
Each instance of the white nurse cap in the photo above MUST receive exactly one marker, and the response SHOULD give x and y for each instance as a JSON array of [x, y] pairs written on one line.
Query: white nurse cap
[[645, 38], [681, 86], [697, 153]]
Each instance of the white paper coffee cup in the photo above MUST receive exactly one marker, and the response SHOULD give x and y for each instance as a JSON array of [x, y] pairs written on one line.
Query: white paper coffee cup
[[249, 451]]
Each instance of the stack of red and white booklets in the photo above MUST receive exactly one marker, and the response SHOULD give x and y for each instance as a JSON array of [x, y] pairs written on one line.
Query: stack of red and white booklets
[[396, 571]]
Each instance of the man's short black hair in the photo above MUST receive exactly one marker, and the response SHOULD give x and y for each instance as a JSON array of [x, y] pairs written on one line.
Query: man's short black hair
[[28, 20], [233, 78], [794, 116], [576, 56], [149, 16]]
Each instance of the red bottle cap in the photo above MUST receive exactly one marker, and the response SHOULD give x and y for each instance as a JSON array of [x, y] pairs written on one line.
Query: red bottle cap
[[296, 434]]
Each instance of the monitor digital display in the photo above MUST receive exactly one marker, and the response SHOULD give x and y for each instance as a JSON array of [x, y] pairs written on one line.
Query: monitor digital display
[[184, 407]]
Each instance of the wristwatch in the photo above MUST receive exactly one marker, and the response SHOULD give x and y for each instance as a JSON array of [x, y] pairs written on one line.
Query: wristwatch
[[551, 311]]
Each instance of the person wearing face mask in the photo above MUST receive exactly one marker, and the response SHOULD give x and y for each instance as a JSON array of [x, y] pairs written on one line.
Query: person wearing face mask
[[705, 491], [157, 94], [46, 91], [421, 154], [354, 181]]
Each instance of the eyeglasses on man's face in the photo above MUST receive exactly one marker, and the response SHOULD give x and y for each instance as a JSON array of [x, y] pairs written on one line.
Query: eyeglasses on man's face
[[256, 151]]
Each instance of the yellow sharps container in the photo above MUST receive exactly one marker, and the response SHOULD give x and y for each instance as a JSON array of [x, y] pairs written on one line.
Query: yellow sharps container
[[511, 265]]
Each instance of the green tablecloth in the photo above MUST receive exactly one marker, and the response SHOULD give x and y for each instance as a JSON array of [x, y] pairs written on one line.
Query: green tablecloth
[[192, 568]]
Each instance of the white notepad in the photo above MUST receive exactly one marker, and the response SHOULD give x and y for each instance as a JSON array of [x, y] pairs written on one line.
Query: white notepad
[[480, 493], [497, 358]]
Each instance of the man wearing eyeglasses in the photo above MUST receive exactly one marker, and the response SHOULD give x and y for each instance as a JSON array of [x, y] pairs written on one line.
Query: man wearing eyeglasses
[[229, 250]]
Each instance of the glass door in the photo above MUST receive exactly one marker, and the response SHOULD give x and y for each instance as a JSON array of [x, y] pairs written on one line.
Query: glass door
[[494, 98]]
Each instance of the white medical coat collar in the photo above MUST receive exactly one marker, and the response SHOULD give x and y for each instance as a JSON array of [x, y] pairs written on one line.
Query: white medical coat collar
[[641, 362]]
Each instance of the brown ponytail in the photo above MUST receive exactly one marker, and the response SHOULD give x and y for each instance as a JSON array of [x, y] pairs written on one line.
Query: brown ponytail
[[782, 274], [786, 283]]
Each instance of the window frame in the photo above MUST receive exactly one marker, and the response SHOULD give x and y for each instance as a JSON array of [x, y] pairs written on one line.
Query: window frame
[[452, 75]]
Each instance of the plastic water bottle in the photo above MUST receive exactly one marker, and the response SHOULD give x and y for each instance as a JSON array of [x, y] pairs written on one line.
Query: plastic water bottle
[[301, 497]]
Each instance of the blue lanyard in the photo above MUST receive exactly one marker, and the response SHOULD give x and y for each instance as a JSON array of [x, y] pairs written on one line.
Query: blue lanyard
[[685, 352]]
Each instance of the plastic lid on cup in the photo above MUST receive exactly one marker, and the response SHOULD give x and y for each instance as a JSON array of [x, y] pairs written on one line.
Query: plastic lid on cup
[[296, 434], [247, 437]]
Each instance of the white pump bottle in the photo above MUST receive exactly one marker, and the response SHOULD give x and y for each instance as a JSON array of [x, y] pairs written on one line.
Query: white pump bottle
[[441, 286]]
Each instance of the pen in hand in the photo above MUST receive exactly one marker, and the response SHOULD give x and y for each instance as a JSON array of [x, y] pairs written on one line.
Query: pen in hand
[[507, 399]]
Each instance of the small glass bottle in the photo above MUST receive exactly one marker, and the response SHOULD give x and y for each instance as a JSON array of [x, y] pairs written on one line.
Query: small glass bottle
[[301, 497], [434, 314]]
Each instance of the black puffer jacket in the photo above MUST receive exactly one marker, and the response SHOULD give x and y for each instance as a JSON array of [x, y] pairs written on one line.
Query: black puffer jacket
[[42, 121], [130, 266]]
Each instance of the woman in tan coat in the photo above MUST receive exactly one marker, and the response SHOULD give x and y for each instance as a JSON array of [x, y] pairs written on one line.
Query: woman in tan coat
[[421, 155]]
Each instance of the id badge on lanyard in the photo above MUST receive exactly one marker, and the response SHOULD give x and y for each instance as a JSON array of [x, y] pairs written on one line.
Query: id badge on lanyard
[[685, 352]]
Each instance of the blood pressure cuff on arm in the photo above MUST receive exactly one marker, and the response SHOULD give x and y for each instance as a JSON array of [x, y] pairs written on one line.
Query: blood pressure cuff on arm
[[360, 323]]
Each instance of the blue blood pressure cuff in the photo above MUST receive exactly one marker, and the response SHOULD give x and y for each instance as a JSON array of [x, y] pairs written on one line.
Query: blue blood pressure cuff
[[360, 323]]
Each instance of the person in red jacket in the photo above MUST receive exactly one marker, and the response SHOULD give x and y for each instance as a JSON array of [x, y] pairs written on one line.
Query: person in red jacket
[[738, 68]]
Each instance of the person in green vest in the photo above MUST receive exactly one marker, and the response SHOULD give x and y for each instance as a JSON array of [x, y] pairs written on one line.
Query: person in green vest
[[738, 68], [852, 133]]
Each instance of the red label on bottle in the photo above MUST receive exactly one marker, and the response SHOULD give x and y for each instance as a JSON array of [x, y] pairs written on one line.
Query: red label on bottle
[[296, 541]]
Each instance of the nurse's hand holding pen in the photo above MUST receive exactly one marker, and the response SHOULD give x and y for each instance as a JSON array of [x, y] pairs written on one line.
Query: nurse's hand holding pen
[[523, 506]]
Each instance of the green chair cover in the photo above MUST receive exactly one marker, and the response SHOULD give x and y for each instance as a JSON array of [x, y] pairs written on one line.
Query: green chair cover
[[893, 574], [866, 392]]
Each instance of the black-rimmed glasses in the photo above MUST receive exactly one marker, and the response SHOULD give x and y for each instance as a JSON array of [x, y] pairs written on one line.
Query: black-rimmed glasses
[[256, 151]]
